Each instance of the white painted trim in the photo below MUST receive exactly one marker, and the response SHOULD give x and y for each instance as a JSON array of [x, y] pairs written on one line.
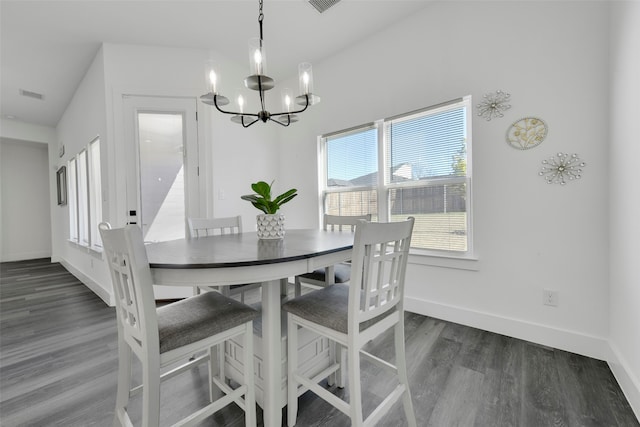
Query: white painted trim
[[563, 339], [104, 294], [23, 256], [629, 384]]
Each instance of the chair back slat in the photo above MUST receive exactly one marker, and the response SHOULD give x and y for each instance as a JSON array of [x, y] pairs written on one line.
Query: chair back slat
[[378, 268], [132, 285], [200, 227], [343, 223]]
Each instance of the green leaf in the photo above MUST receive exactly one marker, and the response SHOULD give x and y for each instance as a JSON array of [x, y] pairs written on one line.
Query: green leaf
[[263, 189], [285, 197]]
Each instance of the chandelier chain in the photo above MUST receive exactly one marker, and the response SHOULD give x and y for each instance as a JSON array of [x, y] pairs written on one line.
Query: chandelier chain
[[260, 19]]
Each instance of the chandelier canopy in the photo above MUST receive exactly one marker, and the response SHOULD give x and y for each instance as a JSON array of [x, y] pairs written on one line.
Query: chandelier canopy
[[259, 82]]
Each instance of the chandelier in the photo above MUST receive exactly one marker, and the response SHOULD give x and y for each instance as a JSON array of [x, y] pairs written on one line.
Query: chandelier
[[259, 82]]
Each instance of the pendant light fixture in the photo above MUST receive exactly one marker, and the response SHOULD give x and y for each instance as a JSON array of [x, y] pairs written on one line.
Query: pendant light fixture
[[260, 82]]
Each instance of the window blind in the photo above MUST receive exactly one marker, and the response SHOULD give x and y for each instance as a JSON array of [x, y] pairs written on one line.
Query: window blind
[[427, 146], [352, 158]]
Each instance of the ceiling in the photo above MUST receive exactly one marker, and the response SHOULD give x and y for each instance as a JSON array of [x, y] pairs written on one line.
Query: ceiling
[[47, 46]]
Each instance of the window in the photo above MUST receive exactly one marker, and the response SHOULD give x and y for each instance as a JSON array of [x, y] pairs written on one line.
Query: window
[[85, 196], [73, 201], [95, 193], [416, 164], [83, 199], [352, 165]]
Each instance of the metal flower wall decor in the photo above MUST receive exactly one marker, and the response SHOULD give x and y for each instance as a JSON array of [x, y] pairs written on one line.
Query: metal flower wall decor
[[494, 105], [527, 133], [561, 168]]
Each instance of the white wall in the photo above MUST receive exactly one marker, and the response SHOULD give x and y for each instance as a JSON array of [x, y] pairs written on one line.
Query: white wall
[[24, 200], [529, 236], [624, 328], [231, 157], [16, 131], [97, 109], [84, 119]]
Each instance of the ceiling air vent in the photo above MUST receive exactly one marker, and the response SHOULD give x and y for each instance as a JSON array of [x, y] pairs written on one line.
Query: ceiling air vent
[[322, 5], [34, 95]]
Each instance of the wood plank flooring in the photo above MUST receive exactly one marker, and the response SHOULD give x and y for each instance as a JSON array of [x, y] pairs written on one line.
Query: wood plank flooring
[[58, 364]]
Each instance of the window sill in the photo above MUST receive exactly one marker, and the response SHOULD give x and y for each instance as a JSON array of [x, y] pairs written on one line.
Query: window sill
[[93, 250], [469, 262]]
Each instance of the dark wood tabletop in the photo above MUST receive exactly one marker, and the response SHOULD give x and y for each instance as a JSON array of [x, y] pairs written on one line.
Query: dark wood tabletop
[[245, 249]]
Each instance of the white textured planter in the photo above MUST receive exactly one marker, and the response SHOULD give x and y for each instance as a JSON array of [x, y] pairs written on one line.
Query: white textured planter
[[270, 226]]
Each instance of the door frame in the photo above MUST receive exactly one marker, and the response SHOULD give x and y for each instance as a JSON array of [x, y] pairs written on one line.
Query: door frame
[[185, 105]]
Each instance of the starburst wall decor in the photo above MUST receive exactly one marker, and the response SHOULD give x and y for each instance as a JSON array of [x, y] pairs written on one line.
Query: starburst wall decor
[[494, 105], [561, 168]]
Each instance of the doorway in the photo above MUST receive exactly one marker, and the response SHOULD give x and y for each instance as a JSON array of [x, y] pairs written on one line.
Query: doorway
[[162, 165]]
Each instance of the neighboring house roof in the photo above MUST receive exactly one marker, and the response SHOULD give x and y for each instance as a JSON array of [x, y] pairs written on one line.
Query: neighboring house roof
[[403, 171]]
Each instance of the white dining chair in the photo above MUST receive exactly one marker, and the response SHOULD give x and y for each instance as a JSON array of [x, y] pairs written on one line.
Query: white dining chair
[[202, 227], [354, 314], [171, 334], [342, 272]]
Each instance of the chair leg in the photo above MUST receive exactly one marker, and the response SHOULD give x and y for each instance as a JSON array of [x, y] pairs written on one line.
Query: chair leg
[[401, 364], [124, 383], [341, 355], [216, 366], [151, 392], [355, 388], [249, 381], [333, 356], [220, 359], [292, 364], [298, 287], [338, 355]]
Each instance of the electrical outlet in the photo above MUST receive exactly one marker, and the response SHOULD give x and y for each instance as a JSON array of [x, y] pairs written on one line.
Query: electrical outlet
[[550, 297]]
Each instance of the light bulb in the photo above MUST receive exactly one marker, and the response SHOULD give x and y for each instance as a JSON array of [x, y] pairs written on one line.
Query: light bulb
[[241, 103], [257, 56], [212, 80]]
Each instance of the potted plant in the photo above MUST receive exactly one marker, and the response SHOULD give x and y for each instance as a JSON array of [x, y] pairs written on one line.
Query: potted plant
[[270, 223]]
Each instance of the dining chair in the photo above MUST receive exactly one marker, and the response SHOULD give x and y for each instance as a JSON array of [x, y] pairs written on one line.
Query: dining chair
[[342, 271], [202, 227], [352, 316], [170, 334]]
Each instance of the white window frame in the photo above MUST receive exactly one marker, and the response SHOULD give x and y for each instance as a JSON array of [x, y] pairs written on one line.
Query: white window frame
[[95, 193], [72, 182], [325, 191], [85, 196], [82, 175], [384, 185]]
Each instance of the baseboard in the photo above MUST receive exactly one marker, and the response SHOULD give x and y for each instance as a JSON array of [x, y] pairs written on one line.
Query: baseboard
[[572, 341], [23, 256], [89, 283], [629, 384]]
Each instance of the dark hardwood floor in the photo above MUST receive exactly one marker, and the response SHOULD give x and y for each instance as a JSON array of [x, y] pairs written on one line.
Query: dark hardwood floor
[[58, 364]]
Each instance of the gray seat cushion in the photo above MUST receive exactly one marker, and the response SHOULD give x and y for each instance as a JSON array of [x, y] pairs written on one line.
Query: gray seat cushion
[[196, 318], [342, 274], [328, 307]]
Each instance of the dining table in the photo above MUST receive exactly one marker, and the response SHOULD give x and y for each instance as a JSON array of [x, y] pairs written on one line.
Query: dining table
[[233, 259]]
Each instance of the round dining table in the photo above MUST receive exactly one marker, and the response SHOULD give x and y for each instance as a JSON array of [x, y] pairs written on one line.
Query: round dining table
[[243, 258]]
